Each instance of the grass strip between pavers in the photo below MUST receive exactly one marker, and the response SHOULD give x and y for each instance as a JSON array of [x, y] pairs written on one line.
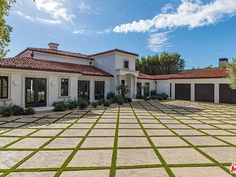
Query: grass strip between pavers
[[115, 146], [185, 140], [162, 160], [67, 161], [40, 148]]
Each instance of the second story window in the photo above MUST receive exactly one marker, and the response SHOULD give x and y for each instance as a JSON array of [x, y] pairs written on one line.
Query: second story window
[[64, 87], [126, 64], [3, 87]]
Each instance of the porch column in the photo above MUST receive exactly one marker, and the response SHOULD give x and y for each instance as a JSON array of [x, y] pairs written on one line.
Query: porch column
[[135, 87], [92, 86], [192, 92], [173, 90], [217, 93]]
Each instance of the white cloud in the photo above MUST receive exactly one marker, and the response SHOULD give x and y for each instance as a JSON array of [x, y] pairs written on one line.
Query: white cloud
[[167, 8], [84, 7], [158, 42], [55, 9], [190, 13], [37, 19], [106, 31]]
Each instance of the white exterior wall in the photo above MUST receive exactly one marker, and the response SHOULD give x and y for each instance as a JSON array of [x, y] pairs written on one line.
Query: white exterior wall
[[17, 85], [121, 57], [163, 86]]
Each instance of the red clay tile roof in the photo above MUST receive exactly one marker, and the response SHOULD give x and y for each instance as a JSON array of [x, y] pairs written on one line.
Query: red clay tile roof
[[44, 65], [57, 52], [194, 74], [115, 50]]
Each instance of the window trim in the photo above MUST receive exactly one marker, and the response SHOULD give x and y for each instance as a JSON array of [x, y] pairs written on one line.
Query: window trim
[[124, 64], [104, 89], [69, 92], [8, 87]]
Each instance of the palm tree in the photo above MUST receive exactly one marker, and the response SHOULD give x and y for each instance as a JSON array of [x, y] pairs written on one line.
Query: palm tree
[[232, 74]]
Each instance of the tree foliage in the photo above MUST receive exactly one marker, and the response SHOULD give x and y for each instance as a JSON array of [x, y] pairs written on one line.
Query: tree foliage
[[5, 29], [232, 74], [165, 63]]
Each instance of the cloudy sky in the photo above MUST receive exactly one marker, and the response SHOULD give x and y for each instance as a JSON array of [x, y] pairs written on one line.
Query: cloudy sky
[[200, 30]]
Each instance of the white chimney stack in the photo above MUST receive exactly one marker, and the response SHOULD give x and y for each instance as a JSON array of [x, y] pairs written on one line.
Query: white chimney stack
[[53, 46]]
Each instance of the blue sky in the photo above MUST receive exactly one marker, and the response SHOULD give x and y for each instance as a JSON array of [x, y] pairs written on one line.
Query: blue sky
[[200, 30]]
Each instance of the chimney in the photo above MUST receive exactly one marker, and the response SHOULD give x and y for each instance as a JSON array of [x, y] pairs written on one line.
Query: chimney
[[53, 46], [223, 62]]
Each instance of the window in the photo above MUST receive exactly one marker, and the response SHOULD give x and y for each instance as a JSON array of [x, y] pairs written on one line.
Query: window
[[35, 92], [3, 87], [147, 89], [64, 87], [122, 82], [139, 88], [83, 89], [126, 64], [99, 90]]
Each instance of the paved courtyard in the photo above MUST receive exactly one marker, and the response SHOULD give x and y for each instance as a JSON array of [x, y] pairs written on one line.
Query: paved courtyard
[[143, 139]]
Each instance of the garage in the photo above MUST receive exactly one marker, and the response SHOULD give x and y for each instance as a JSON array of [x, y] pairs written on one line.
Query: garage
[[204, 92], [183, 92], [227, 95]]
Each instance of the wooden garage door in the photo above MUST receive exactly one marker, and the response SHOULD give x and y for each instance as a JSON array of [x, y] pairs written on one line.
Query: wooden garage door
[[204, 92], [183, 91], [227, 95]]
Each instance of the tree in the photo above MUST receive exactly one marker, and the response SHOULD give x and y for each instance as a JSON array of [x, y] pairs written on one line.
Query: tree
[[5, 29], [232, 74], [165, 63]]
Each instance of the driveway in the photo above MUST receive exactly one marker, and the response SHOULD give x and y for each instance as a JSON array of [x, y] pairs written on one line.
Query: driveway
[[143, 139]]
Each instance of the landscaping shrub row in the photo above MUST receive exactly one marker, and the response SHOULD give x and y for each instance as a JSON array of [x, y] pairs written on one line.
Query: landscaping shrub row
[[9, 109], [154, 96]]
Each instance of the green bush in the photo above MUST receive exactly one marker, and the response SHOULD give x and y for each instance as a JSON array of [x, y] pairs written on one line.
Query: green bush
[[71, 104], [164, 96], [17, 110], [83, 104], [106, 103], [29, 111], [110, 95], [120, 101], [100, 102], [129, 100], [94, 104], [6, 110], [153, 93], [59, 106], [139, 96]]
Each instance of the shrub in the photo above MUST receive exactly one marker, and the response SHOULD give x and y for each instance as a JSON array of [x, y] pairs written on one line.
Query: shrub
[[6, 110], [110, 95], [94, 104], [83, 104], [153, 93], [106, 103], [17, 110], [59, 106], [129, 100], [71, 104], [139, 96], [100, 102], [164, 96], [29, 111], [120, 101], [125, 99]]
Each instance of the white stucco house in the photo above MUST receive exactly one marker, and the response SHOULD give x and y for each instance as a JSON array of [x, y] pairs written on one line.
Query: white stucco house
[[39, 76]]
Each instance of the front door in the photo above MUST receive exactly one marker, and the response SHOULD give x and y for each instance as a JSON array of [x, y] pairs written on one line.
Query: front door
[[83, 89], [35, 92]]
